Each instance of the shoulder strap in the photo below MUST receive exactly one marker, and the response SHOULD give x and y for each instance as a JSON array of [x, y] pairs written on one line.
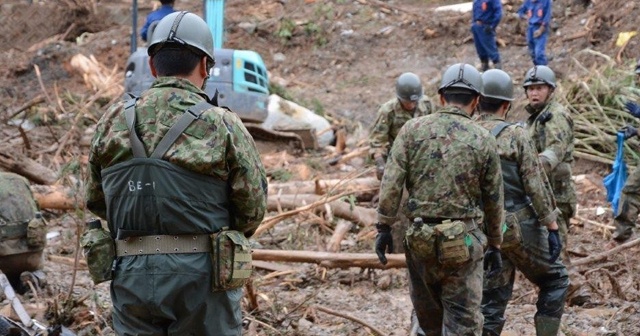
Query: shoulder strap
[[499, 128], [130, 115], [191, 114]]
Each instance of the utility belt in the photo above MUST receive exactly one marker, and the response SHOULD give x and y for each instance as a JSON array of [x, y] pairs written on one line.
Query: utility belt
[[441, 239], [230, 254], [511, 230]]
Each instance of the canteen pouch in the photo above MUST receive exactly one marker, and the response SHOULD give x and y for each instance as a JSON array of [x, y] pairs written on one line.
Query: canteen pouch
[[36, 233], [452, 247], [512, 236], [99, 252], [231, 260], [421, 241]]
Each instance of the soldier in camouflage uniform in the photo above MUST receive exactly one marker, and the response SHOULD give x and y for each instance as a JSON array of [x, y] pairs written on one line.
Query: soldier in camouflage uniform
[[629, 206], [410, 102], [210, 177], [451, 170], [551, 128], [22, 233], [530, 205]]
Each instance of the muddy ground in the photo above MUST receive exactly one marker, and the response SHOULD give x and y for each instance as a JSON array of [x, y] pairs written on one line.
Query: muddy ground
[[339, 58]]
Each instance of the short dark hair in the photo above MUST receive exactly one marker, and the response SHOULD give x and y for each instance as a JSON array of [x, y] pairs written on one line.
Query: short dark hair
[[490, 105], [167, 2], [463, 99], [175, 61]]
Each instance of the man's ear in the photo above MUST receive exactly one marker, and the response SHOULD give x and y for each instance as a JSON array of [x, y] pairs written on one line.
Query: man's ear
[[442, 102], [153, 69], [202, 67]]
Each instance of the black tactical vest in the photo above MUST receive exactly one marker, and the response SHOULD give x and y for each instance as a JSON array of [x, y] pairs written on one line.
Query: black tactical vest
[[148, 196], [515, 197]]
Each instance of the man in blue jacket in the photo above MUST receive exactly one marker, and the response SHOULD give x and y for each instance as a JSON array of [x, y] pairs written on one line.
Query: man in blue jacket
[[486, 16], [157, 15], [539, 14]]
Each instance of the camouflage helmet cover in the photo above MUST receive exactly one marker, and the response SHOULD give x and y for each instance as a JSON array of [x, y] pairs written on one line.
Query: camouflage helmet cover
[[461, 76], [409, 87], [182, 29], [540, 74], [497, 85]]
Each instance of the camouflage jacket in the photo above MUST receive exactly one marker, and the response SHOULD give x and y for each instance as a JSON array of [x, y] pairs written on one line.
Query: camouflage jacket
[[551, 129], [219, 146], [391, 118], [515, 145], [450, 168]]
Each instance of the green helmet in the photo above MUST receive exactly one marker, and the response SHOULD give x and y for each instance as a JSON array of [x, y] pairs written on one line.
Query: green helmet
[[182, 29], [408, 87], [497, 85], [461, 76], [540, 74]]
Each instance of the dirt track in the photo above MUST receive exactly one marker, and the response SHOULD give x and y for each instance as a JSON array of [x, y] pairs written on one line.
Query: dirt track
[[336, 57]]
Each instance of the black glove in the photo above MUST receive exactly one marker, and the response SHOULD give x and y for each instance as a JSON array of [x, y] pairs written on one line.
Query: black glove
[[629, 132], [487, 28], [493, 261], [633, 108], [379, 168], [555, 245], [384, 242]]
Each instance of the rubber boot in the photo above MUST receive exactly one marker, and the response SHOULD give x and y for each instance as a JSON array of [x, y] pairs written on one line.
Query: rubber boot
[[547, 326], [485, 66], [497, 65], [622, 233], [415, 326]]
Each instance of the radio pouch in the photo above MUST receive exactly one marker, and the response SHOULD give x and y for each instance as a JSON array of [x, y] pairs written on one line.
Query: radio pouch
[[231, 258]]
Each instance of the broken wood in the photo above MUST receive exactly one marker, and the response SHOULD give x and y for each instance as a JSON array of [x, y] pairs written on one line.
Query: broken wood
[[358, 152], [35, 101], [331, 260], [341, 230], [270, 222], [357, 214], [605, 254], [27, 167], [352, 318], [575, 36], [273, 267], [55, 197], [359, 185]]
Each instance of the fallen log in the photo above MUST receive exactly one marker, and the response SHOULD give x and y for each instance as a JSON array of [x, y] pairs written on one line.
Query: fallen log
[[331, 260], [55, 197], [325, 259], [357, 214], [319, 187], [605, 254], [27, 167]]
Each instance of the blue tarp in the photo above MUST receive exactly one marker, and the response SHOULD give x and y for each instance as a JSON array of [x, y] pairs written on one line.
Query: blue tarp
[[614, 182]]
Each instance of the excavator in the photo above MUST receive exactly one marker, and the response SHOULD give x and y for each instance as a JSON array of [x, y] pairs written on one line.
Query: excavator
[[239, 76]]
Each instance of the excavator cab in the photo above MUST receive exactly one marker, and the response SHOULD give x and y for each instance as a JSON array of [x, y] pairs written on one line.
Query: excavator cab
[[239, 76]]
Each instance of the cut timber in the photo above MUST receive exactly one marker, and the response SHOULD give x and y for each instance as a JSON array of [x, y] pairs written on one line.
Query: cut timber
[[28, 168], [362, 151], [331, 260], [324, 186], [341, 230], [55, 197], [357, 214]]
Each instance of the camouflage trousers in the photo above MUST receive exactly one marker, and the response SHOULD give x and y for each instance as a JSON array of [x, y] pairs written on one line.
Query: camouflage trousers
[[629, 206], [531, 258], [447, 300]]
